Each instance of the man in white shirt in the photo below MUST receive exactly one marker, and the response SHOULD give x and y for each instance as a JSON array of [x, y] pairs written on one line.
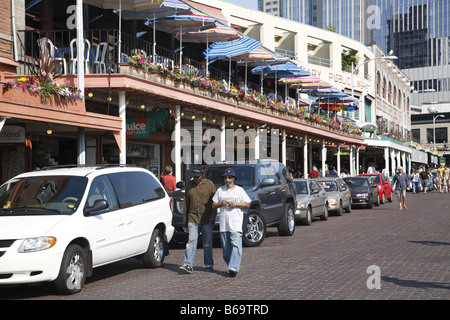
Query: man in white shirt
[[231, 199]]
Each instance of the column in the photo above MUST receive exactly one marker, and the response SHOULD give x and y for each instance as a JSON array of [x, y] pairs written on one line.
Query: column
[[324, 157], [305, 156], [386, 162], [81, 158], [222, 139], [393, 161], [123, 117], [338, 160], [357, 161], [177, 155], [283, 147], [352, 160]]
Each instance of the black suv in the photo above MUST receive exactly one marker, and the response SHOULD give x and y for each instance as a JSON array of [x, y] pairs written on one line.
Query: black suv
[[271, 190]]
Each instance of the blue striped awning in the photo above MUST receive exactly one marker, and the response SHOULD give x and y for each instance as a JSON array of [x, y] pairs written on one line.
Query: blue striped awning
[[228, 49]]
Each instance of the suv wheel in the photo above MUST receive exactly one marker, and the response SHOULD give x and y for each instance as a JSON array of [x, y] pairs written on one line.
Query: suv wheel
[[154, 257], [287, 225], [255, 232], [72, 273]]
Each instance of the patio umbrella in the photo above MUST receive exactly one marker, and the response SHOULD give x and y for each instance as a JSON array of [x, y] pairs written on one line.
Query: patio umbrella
[[178, 23], [217, 34], [300, 80], [130, 5], [277, 59], [166, 8], [230, 49], [256, 55], [286, 70]]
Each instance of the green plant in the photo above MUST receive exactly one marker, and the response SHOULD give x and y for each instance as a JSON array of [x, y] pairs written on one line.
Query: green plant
[[348, 57]]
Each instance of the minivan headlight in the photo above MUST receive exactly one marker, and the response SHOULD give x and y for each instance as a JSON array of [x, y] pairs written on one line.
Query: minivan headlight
[[37, 244]]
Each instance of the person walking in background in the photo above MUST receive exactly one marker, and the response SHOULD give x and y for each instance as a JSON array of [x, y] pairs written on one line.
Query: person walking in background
[[440, 177], [167, 179], [314, 173], [446, 178], [416, 181], [199, 216], [425, 178], [400, 181], [231, 199]]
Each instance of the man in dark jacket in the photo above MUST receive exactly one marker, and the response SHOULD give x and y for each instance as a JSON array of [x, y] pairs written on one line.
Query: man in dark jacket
[[199, 216], [401, 182]]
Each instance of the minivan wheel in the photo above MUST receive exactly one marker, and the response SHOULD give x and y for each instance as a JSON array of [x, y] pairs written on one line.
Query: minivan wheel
[[287, 225], [255, 231], [154, 257], [72, 273]]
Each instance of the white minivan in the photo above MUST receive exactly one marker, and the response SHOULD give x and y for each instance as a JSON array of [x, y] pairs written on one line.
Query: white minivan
[[60, 223]]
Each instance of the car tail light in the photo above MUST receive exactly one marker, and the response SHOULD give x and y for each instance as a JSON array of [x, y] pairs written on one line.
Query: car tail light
[[171, 205]]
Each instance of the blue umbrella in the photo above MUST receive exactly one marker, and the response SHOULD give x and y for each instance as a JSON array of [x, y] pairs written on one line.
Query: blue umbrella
[[228, 49], [286, 70]]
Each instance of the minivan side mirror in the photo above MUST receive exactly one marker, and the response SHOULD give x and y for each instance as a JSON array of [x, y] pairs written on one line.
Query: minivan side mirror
[[99, 205]]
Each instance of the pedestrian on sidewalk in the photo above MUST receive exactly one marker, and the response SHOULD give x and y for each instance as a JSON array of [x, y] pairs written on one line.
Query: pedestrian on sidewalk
[[440, 177], [416, 181], [446, 178], [400, 182], [231, 199], [425, 176], [199, 217], [167, 179]]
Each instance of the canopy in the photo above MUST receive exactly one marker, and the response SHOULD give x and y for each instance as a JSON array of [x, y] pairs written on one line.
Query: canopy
[[286, 70], [228, 49], [219, 33], [134, 5], [166, 8]]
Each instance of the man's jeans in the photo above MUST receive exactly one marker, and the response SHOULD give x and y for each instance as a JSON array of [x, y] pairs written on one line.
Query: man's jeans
[[232, 249], [191, 246]]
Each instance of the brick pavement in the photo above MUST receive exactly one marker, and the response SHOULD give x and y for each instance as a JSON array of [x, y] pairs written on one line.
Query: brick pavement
[[326, 261]]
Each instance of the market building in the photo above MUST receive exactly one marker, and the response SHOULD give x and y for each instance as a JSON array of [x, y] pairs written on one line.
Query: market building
[[172, 112]]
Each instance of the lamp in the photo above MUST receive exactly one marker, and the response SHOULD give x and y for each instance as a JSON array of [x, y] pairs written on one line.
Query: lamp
[[49, 129]]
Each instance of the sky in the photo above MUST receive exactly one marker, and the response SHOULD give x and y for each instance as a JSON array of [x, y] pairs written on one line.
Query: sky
[[252, 4]]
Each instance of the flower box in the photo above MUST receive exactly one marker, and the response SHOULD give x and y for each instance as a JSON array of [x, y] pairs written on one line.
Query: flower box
[[22, 96]]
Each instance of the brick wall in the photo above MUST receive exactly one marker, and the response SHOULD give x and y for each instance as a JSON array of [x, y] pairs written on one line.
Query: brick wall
[[6, 45]]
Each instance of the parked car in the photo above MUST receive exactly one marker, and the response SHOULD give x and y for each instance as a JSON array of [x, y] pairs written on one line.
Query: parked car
[[59, 224], [384, 185], [364, 191], [312, 201], [272, 193], [339, 196]]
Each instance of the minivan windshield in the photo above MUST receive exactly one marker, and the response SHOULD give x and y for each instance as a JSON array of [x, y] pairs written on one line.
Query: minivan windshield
[[42, 195]]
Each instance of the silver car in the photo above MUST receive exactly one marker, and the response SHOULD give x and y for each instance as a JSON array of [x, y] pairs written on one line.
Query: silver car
[[312, 201], [339, 195]]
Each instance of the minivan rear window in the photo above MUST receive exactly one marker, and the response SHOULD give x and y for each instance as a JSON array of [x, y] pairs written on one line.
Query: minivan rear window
[[135, 188]]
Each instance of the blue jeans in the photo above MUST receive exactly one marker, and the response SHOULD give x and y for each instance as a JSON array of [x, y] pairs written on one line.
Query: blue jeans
[[191, 246], [232, 249]]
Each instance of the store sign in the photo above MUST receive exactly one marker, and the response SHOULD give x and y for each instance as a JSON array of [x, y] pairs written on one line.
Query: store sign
[[139, 128], [12, 134]]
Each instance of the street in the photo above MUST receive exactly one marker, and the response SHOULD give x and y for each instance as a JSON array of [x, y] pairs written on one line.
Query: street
[[376, 254]]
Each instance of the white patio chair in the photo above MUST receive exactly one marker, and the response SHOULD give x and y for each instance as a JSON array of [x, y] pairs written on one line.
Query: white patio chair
[[73, 57], [48, 49], [99, 65]]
